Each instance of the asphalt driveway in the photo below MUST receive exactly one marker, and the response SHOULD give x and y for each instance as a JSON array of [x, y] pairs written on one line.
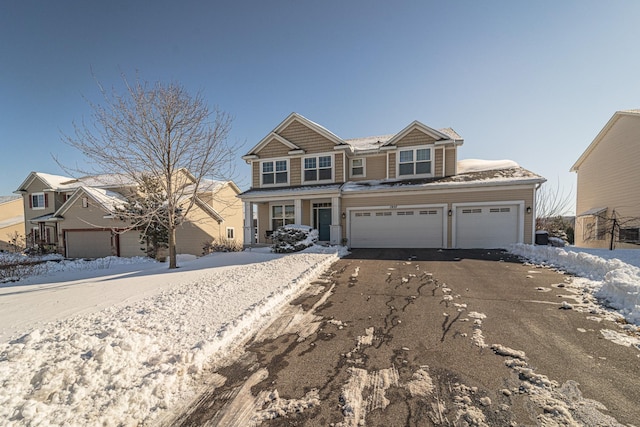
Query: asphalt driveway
[[427, 337]]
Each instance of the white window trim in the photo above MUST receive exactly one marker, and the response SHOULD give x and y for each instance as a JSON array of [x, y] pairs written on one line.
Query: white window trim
[[43, 201], [364, 167], [262, 184], [233, 233], [318, 181], [283, 204], [414, 149]]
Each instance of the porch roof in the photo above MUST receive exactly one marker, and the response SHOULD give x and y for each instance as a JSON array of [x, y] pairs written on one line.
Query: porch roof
[[44, 218], [291, 191]]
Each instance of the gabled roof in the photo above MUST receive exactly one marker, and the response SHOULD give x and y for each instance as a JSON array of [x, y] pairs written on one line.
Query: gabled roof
[[107, 200], [612, 121], [284, 124], [52, 182], [442, 136]]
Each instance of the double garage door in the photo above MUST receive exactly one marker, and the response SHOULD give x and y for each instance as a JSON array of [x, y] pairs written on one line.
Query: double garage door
[[398, 228], [472, 226]]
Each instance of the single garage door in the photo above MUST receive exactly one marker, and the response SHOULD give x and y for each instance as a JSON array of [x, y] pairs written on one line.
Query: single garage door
[[487, 227], [397, 228], [88, 244]]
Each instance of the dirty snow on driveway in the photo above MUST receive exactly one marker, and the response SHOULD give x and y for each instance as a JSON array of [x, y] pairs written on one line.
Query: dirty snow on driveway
[[137, 339]]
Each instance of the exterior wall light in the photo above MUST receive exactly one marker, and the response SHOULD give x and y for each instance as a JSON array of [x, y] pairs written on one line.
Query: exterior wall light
[[344, 215], [528, 209], [450, 213]]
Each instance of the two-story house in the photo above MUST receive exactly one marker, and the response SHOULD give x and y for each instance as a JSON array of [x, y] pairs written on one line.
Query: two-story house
[[607, 202], [390, 191], [11, 223], [78, 217]]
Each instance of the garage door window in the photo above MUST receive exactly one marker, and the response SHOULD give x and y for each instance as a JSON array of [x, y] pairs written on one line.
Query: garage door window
[[414, 162], [282, 215]]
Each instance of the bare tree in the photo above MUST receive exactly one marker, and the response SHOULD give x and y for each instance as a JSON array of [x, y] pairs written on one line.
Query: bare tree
[[614, 228], [159, 132]]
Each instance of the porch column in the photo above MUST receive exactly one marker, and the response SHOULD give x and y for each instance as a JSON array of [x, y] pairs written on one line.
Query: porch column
[[297, 207], [336, 226], [248, 231]]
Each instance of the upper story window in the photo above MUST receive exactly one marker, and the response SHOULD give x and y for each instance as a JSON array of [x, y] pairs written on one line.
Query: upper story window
[[318, 168], [38, 201], [275, 172], [357, 167], [416, 161]]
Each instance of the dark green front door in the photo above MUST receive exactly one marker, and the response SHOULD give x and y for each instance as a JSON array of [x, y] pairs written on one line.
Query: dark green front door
[[324, 221]]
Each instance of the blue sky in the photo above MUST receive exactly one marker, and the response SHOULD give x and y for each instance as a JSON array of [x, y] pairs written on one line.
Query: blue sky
[[532, 82]]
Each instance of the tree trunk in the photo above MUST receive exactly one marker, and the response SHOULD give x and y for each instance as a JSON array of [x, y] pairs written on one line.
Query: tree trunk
[[172, 248]]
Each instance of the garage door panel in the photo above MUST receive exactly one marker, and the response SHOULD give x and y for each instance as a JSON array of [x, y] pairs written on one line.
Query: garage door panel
[[397, 228], [486, 226], [88, 244]]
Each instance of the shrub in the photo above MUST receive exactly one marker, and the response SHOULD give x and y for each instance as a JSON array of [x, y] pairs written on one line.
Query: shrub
[[222, 245], [293, 238]]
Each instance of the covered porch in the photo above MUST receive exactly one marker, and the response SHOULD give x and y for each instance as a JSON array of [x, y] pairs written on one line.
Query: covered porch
[[265, 211]]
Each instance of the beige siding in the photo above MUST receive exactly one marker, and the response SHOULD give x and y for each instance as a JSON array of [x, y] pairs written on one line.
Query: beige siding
[[307, 139], [306, 212], [610, 177], [442, 197], [12, 214], [415, 137], [450, 161], [273, 148], [230, 207], [255, 172], [339, 165], [437, 162], [295, 172], [130, 245], [376, 168], [192, 235], [264, 223], [392, 165]]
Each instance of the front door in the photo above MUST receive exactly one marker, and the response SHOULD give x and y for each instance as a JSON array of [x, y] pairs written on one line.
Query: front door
[[324, 222]]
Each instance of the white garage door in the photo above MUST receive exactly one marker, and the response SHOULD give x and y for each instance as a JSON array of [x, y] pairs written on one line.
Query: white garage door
[[397, 228], [487, 227], [88, 244]]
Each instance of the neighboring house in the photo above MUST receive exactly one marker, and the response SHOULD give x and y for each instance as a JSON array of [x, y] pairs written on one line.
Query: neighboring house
[[609, 185], [75, 217], [399, 190], [11, 221]]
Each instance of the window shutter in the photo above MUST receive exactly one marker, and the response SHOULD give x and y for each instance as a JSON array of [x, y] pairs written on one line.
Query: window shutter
[[46, 200], [30, 201]]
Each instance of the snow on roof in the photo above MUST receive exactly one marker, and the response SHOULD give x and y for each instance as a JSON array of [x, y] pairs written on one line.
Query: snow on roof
[[450, 133], [287, 190], [513, 175], [368, 142], [108, 199], [107, 180], [7, 199], [54, 181], [476, 165]]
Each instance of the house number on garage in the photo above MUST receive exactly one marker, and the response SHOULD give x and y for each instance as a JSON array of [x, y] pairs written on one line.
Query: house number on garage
[[393, 206]]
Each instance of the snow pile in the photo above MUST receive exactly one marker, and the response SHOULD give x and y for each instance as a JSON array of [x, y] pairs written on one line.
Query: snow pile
[[125, 365], [475, 165], [293, 238], [615, 282]]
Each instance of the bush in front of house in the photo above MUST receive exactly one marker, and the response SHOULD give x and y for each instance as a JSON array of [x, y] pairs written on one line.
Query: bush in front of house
[[293, 238]]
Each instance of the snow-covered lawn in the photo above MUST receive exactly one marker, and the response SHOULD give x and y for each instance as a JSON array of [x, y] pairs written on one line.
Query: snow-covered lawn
[[611, 276], [117, 342]]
